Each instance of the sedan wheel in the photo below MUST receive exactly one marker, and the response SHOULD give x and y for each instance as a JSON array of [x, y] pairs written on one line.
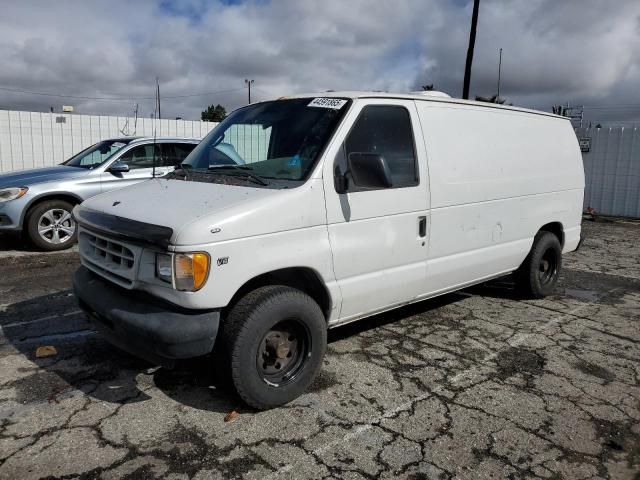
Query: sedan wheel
[[50, 225], [56, 226]]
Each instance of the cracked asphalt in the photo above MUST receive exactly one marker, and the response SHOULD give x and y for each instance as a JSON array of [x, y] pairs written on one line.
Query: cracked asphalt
[[473, 385]]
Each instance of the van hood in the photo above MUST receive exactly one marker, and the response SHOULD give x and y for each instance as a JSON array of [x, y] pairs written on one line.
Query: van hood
[[200, 213], [27, 178]]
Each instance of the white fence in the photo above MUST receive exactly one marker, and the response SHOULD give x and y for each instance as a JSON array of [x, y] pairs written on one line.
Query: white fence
[[33, 139], [612, 170]]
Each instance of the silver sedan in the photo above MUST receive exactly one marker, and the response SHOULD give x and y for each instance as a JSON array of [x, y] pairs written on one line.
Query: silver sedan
[[38, 202]]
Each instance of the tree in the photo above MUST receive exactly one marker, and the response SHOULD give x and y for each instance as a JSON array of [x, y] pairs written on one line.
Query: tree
[[215, 113]]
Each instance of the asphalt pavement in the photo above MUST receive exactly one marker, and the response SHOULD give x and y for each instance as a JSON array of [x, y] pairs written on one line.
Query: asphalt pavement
[[477, 384]]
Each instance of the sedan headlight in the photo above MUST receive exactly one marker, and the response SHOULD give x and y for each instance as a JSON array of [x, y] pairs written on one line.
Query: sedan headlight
[[186, 271], [7, 194]]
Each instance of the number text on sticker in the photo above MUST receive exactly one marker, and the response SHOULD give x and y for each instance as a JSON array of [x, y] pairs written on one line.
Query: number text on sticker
[[322, 102]]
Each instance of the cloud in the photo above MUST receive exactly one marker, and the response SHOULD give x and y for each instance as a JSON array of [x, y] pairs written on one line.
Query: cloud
[[581, 51]]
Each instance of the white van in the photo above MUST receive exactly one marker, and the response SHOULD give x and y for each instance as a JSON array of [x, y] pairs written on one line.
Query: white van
[[297, 215]]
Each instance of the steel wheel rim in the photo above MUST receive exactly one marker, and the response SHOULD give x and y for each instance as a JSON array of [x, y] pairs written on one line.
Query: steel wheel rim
[[56, 226], [283, 352], [548, 266]]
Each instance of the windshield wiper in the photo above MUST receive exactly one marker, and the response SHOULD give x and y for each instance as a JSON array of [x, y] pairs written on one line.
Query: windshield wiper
[[239, 170]]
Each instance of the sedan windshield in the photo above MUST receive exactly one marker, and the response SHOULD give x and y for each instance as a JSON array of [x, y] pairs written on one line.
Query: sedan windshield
[[96, 154], [272, 140]]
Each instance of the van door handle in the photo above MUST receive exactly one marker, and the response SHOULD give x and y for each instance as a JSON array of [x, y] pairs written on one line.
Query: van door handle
[[422, 226]]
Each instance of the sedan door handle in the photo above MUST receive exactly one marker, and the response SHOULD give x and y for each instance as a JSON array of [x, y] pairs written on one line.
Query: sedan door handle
[[422, 226]]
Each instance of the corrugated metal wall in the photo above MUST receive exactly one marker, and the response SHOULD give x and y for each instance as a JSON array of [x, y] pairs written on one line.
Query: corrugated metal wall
[[612, 170], [250, 141], [34, 139]]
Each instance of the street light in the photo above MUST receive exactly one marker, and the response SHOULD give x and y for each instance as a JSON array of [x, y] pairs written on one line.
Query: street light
[[248, 83]]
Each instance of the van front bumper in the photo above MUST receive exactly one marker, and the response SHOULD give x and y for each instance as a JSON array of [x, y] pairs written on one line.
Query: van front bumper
[[142, 325]]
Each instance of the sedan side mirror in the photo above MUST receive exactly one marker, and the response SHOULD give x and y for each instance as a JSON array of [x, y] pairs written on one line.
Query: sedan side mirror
[[369, 170], [118, 167]]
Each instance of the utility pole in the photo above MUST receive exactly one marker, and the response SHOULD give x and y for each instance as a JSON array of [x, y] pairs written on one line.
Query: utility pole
[[472, 42], [499, 71], [248, 83], [158, 95]]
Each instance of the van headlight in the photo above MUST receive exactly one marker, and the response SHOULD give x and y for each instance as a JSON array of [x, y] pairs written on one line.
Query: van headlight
[[187, 271], [7, 194], [164, 267]]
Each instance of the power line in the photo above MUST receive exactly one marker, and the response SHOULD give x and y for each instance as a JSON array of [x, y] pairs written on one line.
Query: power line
[[612, 107], [202, 94], [128, 99], [116, 99], [264, 92]]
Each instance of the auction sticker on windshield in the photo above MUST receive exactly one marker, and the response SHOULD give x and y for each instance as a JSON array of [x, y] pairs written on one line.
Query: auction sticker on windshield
[[335, 103]]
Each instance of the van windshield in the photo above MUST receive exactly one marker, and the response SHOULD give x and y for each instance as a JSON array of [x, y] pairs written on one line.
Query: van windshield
[[96, 154], [278, 140]]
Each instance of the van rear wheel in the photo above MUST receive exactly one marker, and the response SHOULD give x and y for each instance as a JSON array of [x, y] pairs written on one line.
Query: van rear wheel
[[274, 340], [538, 274]]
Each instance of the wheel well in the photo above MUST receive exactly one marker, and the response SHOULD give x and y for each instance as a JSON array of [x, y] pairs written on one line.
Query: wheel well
[[300, 278], [57, 196], [556, 229]]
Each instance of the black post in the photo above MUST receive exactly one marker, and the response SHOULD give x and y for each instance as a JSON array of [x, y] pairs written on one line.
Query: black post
[[472, 42], [499, 73], [158, 85]]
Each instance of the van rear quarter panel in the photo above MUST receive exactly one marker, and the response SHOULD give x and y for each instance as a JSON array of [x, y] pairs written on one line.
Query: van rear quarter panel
[[496, 177]]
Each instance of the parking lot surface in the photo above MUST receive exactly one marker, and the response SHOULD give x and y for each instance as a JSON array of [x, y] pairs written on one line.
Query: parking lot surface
[[477, 384]]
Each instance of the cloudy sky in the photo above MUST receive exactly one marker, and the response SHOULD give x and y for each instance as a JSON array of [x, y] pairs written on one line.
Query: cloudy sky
[[554, 51]]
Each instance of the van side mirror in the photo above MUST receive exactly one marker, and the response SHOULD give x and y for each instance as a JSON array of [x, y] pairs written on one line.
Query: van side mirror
[[340, 181], [118, 167], [369, 170]]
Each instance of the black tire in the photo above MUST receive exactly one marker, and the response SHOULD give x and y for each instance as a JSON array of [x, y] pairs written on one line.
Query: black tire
[[60, 236], [538, 274], [249, 336]]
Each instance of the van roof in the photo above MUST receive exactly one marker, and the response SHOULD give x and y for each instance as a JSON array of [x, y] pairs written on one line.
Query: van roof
[[427, 96]]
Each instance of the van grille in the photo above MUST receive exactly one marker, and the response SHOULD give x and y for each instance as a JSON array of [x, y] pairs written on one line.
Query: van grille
[[114, 253], [109, 258]]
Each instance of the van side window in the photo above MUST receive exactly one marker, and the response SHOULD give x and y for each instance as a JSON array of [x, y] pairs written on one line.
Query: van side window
[[385, 130]]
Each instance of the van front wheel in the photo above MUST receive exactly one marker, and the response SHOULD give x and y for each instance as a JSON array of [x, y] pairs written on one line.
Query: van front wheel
[[538, 274], [275, 338]]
